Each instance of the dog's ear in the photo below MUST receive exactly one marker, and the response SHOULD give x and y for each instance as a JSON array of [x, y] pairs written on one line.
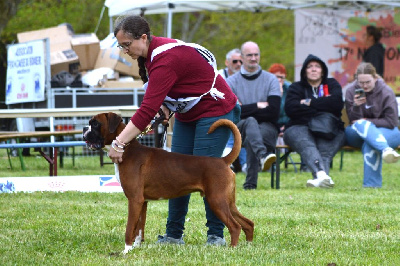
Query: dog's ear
[[113, 121]]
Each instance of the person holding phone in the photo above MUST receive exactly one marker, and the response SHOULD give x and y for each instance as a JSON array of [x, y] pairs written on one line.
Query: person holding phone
[[372, 110]]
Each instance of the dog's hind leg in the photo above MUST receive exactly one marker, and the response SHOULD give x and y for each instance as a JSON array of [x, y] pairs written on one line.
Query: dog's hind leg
[[134, 210], [246, 224], [220, 207]]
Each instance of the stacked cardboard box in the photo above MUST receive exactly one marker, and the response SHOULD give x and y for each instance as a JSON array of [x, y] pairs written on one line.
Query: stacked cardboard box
[[116, 59], [87, 47], [81, 53], [62, 56]]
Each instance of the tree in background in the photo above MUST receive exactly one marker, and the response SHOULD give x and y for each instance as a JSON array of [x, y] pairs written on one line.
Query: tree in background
[[8, 8], [219, 32]]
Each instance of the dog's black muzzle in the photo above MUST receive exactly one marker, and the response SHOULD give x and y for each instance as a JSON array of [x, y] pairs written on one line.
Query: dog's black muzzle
[[93, 141]]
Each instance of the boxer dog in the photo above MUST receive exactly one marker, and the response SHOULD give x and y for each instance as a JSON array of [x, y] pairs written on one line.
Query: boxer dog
[[148, 173]]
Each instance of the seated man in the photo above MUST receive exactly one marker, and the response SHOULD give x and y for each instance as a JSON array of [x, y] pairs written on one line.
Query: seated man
[[260, 98]]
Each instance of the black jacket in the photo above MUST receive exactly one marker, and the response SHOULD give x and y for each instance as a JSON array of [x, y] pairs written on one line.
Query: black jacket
[[376, 56], [300, 114]]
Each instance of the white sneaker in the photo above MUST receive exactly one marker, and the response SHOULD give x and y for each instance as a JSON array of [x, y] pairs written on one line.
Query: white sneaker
[[266, 162], [390, 156], [322, 181]]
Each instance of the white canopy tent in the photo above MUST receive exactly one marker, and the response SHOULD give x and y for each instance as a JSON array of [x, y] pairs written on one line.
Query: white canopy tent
[[122, 7]]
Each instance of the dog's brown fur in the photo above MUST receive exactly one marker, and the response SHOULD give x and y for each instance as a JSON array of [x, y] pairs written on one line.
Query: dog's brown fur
[[151, 174]]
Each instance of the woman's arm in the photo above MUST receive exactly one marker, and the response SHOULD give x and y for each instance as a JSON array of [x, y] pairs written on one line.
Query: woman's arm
[[127, 135]]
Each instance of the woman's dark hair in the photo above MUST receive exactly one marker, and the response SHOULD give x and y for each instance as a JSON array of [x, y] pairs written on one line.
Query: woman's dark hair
[[135, 26], [374, 32]]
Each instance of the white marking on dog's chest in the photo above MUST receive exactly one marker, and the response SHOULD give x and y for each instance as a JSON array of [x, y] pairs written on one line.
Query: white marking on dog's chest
[[117, 172]]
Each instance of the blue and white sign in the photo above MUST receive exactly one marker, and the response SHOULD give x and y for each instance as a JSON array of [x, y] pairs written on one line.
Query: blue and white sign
[[89, 183], [25, 80]]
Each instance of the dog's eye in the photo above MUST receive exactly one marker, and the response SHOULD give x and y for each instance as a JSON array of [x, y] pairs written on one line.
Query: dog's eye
[[95, 123]]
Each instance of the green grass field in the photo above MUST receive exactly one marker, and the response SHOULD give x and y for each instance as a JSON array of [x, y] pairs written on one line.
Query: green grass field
[[347, 225]]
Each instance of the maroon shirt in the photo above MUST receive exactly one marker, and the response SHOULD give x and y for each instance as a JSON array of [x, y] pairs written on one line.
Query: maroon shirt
[[181, 72]]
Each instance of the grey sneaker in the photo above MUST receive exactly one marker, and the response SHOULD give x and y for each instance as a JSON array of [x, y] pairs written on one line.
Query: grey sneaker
[[267, 161], [215, 240], [169, 240]]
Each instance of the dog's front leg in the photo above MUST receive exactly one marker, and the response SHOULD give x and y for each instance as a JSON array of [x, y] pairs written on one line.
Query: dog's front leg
[[134, 208], [142, 222], [138, 241]]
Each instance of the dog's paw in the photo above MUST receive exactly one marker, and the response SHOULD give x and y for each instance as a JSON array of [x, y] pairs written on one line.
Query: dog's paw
[[127, 249], [136, 244], [138, 241]]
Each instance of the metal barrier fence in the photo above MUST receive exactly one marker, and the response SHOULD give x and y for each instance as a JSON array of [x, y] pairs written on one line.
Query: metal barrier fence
[[69, 100], [92, 97]]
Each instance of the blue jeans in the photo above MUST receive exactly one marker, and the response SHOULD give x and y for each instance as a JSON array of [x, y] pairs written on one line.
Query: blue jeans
[[372, 140], [192, 138]]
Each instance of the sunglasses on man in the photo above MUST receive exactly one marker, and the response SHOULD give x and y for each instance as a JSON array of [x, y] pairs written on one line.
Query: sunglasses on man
[[235, 61]]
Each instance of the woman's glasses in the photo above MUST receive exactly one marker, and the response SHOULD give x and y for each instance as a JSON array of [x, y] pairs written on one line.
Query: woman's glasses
[[124, 46]]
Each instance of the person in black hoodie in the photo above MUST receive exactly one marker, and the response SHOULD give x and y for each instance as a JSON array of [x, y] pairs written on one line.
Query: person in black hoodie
[[375, 53], [314, 93]]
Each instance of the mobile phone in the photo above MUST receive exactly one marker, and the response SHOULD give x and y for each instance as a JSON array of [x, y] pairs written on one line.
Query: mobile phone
[[360, 92]]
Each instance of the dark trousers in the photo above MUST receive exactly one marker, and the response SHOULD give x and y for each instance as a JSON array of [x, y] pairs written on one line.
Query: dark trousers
[[310, 148], [259, 139]]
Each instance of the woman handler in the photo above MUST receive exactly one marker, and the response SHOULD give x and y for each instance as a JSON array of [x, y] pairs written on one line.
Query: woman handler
[[182, 78]]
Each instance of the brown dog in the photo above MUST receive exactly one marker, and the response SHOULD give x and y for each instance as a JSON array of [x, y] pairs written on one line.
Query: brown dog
[[152, 174]]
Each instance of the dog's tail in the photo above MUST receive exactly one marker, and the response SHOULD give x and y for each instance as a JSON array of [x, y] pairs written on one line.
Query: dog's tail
[[231, 157]]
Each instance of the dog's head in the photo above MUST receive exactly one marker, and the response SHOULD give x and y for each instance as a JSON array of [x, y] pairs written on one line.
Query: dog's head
[[102, 130]]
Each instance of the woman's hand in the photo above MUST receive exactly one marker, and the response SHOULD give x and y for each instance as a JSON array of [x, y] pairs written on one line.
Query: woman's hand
[[115, 153], [354, 121], [116, 150], [305, 101], [167, 112], [358, 100]]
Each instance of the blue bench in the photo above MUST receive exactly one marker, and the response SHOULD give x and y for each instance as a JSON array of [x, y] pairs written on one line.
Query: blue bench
[[51, 158]]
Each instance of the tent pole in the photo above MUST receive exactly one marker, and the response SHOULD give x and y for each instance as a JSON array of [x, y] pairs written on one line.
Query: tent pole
[[169, 24], [111, 25]]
